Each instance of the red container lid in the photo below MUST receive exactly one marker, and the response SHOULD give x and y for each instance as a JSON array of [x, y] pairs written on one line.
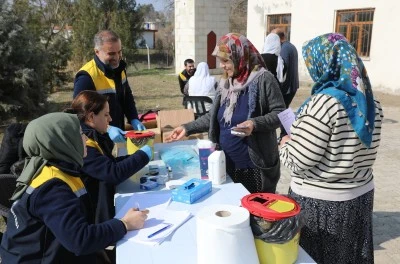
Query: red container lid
[[149, 116], [270, 206], [139, 134]]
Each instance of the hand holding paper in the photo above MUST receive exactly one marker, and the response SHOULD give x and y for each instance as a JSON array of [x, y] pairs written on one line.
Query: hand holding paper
[[287, 118]]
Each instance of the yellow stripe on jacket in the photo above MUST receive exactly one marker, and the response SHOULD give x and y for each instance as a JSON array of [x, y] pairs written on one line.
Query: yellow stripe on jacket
[[91, 143], [51, 172], [183, 77], [102, 84]]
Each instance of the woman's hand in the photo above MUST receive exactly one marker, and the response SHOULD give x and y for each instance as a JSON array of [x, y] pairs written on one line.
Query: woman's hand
[[134, 219], [176, 134], [284, 140], [246, 127]]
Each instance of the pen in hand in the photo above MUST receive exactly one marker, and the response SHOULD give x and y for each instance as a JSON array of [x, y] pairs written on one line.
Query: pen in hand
[[159, 231]]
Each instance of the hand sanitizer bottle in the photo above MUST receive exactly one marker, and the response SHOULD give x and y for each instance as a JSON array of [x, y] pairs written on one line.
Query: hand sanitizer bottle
[[217, 167]]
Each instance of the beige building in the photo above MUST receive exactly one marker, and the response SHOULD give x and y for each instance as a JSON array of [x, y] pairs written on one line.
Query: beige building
[[198, 25], [370, 25]]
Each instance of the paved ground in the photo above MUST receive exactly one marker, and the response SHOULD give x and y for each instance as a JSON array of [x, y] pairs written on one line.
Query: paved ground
[[387, 182]]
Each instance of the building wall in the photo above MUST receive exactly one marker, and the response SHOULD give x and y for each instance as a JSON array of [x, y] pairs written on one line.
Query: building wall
[[148, 36], [194, 19], [311, 18]]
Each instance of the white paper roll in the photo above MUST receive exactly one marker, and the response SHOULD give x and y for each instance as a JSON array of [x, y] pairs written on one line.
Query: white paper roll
[[224, 236]]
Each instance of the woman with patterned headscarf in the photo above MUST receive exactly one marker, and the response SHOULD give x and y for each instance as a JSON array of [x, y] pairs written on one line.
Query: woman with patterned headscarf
[[244, 115], [331, 152]]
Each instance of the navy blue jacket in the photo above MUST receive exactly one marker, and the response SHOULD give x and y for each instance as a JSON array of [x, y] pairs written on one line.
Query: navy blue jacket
[[121, 103], [51, 225], [102, 172]]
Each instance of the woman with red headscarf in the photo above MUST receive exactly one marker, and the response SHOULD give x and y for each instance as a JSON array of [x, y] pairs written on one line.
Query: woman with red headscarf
[[244, 116]]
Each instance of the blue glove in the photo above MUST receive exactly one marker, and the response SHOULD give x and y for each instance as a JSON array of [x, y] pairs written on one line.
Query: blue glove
[[137, 125], [147, 150], [116, 134]]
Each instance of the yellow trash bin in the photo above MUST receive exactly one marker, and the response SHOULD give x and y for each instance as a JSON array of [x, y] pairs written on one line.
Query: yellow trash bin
[[266, 209], [137, 139], [271, 253]]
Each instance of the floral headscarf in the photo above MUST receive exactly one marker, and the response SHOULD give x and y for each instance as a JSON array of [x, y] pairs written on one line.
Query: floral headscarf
[[337, 70], [248, 65]]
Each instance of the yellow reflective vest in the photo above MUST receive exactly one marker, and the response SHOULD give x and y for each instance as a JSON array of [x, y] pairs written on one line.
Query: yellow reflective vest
[[102, 84]]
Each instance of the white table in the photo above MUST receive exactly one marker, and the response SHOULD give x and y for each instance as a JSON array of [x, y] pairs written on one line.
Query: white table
[[180, 246]]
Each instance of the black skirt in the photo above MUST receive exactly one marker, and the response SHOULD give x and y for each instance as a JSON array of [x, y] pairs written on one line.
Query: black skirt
[[250, 178], [338, 232]]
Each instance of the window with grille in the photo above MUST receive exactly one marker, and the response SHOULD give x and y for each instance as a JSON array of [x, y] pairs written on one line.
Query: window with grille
[[356, 26], [279, 21]]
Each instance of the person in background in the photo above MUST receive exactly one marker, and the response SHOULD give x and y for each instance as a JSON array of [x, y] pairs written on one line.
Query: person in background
[[50, 215], [272, 58], [106, 74], [244, 116], [101, 171], [291, 83], [331, 152], [202, 84], [186, 74]]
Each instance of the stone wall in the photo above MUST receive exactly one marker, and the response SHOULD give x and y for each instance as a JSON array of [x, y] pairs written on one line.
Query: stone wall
[[194, 20]]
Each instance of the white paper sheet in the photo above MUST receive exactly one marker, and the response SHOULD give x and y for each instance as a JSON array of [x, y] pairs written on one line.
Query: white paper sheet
[[159, 216], [287, 118]]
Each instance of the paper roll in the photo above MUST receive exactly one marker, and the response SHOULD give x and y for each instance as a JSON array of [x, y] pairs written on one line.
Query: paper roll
[[224, 236]]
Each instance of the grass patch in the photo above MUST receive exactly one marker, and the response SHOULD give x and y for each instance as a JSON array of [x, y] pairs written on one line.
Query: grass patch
[[140, 71], [158, 92], [156, 89]]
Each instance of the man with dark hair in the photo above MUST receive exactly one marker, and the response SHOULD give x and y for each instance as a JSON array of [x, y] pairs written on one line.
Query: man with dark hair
[[185, 75], [106, 74], [291, 84]]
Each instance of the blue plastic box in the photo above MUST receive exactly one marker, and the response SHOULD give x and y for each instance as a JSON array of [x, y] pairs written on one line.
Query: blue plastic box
[[191, 191]]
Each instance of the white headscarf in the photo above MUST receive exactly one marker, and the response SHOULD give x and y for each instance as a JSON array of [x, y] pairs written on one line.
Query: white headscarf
[[272, 45], [201, 83]]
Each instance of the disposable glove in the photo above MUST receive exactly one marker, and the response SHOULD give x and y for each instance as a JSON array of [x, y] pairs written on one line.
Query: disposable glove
[[147, 150], [137, 125], [116, 134]]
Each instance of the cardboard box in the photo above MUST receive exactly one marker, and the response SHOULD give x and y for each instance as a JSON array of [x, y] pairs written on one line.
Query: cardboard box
[[150, 124], [199, 136], [157, 136], [167, 120], [191, 191], [167, 132]]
